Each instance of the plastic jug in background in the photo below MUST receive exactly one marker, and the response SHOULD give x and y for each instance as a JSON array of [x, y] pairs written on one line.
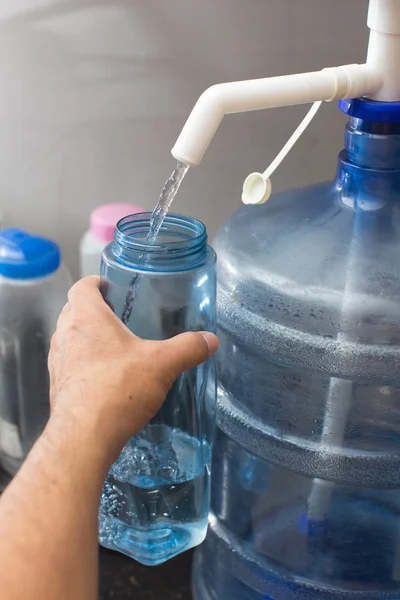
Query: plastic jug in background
[[103, 220], [33, 290], [306, 469], [155, 501]]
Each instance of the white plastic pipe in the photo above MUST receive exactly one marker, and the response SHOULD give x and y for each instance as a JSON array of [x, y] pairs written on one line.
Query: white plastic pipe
[[349, 81], [384, 47]]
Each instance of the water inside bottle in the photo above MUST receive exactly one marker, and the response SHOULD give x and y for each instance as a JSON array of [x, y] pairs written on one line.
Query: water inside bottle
[[167, 196], [156, 496]]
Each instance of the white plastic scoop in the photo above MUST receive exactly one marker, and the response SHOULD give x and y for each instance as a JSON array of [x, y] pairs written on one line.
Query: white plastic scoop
[[257, 187]]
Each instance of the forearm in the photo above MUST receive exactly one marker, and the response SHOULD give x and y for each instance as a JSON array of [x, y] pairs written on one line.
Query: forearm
[[48, 518]]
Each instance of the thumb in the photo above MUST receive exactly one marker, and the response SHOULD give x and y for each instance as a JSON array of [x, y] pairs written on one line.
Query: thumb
[[187, 350]]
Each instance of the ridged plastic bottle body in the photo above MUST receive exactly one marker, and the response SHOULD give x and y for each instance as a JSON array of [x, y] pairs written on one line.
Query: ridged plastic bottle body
[[306, 468], [29, 309], [155, 501]]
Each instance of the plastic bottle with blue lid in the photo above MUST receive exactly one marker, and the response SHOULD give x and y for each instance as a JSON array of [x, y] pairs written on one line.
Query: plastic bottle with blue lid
[[33, 289]]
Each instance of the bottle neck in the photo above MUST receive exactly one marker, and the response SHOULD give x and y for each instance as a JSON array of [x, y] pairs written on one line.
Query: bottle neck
[[369, 166], [181, 244], [373, 145]]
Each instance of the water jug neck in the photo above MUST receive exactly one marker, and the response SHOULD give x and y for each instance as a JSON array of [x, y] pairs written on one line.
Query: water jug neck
[[181, 244], [373, 145], [369, 166]]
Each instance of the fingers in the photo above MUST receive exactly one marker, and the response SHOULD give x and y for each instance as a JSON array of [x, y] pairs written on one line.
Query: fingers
[[64, 312], [87, 306], [61, 318], [86, 294], [186, 351]]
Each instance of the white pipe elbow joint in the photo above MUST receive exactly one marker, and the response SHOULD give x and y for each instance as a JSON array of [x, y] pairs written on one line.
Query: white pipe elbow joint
[[200, 127]]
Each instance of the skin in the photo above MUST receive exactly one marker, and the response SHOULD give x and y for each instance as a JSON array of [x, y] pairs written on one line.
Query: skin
[[106, 384]]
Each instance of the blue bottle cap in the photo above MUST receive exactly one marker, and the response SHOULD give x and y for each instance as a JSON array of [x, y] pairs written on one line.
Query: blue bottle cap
[[370, 110], [25, 256]]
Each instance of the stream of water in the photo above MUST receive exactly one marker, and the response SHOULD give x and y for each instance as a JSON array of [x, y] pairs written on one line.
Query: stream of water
[[167, 196]]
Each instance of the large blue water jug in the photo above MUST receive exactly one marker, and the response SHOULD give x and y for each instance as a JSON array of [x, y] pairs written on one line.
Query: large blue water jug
[[306, 467]]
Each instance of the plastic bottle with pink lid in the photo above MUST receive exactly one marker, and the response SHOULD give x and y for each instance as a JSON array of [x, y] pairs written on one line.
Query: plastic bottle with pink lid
[[103, 220]]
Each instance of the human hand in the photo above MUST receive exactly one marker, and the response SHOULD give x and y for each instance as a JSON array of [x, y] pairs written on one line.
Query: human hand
[[106, 380]]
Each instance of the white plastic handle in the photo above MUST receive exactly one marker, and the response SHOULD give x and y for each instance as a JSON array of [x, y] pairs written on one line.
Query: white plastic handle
[[257, 187]]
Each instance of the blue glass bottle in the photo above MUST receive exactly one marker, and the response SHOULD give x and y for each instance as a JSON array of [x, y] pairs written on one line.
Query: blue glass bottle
[[305, 498], [155, 500]]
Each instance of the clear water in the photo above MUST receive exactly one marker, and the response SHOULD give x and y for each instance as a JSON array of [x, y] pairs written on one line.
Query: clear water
[[167, 196], [155, 500], [268, 547]]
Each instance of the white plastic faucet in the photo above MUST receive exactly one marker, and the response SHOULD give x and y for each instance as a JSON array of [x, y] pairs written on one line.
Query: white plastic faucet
[[378, 79]]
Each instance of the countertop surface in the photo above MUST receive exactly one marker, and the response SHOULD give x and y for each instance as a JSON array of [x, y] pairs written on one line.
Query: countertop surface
[[122, 578]]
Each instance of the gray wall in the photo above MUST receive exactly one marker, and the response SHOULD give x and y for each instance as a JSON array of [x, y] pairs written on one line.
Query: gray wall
[[93, 94]]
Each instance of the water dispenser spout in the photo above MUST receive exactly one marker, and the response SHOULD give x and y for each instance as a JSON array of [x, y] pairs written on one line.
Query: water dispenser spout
[[335, 83], [378, 79]]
